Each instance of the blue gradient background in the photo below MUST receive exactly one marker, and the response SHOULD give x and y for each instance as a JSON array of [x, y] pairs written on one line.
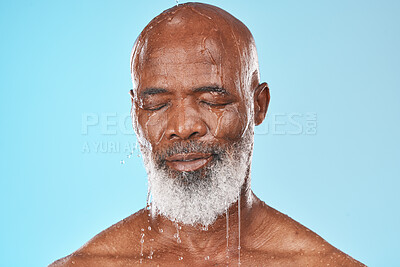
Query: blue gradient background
[[63, 60]]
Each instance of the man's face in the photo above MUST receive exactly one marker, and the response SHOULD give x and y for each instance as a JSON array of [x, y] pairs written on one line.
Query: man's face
[[188, 91], [193, 119]]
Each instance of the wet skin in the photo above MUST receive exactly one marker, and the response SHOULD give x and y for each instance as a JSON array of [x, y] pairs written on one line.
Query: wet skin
[[196, 78]]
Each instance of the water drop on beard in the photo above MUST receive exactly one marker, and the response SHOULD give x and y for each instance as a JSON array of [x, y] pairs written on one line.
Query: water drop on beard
[[180, 258]]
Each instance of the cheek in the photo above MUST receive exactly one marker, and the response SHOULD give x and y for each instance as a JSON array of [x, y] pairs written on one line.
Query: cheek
[[228, 124], [152, 126]]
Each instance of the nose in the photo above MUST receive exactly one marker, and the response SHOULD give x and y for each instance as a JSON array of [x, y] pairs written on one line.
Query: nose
[[185, 122]]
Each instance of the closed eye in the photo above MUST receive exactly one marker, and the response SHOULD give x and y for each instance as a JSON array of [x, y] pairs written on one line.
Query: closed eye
[[155, 108], [216, 105]]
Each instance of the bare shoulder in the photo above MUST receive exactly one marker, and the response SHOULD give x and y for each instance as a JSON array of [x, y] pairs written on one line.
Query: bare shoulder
[[114, 244], [291, 242]]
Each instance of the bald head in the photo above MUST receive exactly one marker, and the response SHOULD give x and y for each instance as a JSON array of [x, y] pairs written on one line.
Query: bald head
[[199, 61], [200, 36]]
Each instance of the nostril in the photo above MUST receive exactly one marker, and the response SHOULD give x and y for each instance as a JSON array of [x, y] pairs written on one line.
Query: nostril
[[172, 136], [194, 134]]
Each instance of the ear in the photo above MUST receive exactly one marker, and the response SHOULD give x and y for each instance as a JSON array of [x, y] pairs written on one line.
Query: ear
[[132, 95], [261, 102]]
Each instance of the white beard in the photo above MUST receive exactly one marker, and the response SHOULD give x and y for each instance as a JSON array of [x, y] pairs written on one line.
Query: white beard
[[200, 201]]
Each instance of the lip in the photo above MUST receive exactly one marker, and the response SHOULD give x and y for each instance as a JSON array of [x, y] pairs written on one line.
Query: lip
[[188, 162]]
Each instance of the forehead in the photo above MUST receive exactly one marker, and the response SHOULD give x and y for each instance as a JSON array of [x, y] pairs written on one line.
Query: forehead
[[177, 54], [186, 65]]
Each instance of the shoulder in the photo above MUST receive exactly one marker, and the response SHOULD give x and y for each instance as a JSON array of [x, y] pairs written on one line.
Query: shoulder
[[288, 240], [112, 243], [87, 260]]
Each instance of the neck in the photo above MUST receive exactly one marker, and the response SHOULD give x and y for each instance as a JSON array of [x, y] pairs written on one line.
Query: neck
[[224, 234]]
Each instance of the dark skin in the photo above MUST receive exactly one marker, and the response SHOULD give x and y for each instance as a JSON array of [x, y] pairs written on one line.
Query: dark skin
[[203, 88]]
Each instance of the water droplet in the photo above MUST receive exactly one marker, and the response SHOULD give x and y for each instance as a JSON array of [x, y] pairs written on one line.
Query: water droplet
[[122, 161], [149, 228], [176, 235], [206, 258], [150, 254], [141, 246], [180, 258], [239, 247], [160, 230], [142, 230], [227, 232]]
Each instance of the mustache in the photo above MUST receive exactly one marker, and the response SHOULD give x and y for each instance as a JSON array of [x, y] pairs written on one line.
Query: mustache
[[189, 147]]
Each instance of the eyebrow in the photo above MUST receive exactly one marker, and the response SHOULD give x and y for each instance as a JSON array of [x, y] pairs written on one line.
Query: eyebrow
[[211, 89], [204, 89], [153, 91]]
